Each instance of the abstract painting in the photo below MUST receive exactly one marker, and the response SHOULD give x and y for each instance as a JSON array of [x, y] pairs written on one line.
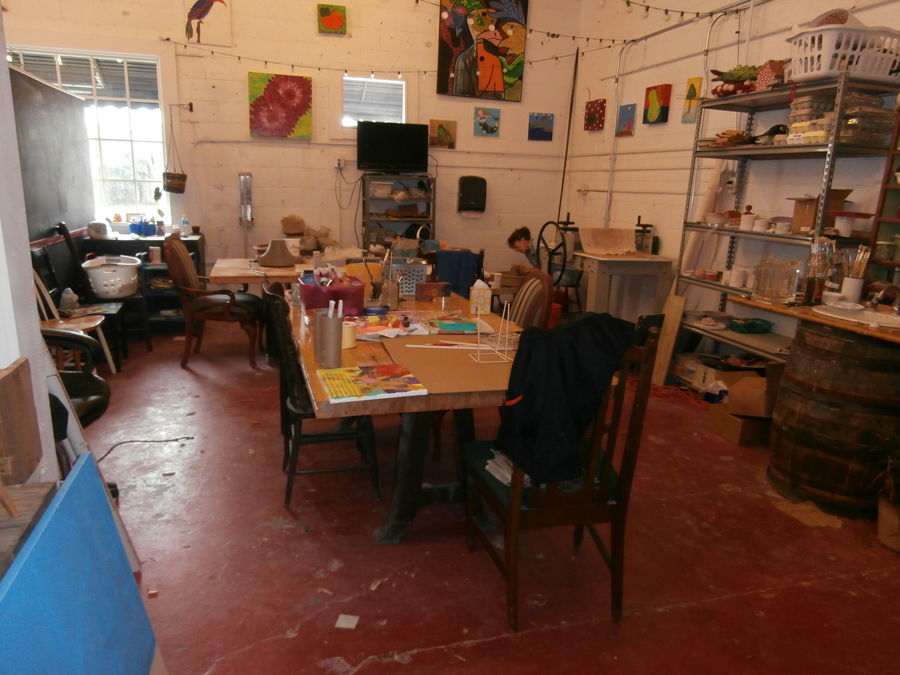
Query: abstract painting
[[332, 18], [540, 127], [442, 134], [487, 122], [625, 123], [595, 114], [481, 48], [692, 100], [280, 105], [656, 104]]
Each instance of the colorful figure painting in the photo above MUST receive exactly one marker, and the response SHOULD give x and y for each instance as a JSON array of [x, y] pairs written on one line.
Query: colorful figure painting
[[487, 122], [280, 105], [540, 127], [209, 21], [332, 18], [595, 114], [625, 123], [442, 134], [692, 100], [656, 104], [481, 48]]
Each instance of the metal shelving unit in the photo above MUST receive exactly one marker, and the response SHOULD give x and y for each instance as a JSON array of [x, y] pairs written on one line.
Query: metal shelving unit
[[382, 210]]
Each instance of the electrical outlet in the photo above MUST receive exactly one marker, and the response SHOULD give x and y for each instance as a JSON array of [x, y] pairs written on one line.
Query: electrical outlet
[[339, 163]]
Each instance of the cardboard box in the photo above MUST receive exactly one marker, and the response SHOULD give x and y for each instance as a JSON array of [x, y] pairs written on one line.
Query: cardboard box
[[738, 430], [430, 290], [480, 301], [804, 219], [755, 396], [704, 375]]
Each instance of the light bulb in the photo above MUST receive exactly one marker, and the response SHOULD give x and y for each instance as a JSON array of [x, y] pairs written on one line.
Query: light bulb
[[646, 12], [628, 7], [666, 16]]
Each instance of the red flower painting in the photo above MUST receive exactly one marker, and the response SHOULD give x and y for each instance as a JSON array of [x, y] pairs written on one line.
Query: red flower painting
[[280, 106]]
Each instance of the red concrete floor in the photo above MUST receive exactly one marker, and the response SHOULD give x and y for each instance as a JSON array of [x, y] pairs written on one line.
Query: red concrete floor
[[722, 575]]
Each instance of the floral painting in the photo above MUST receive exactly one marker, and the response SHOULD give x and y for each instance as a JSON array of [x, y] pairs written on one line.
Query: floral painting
[[656, 104], [332, 18], [280, 105], [692, 100], [481, 48], [595, 114], [487, 122], [442, 134], [625, 123], [540, 127]]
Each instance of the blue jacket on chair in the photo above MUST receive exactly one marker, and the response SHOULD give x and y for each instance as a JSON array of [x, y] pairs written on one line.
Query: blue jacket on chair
[[556, 385], [459, 268]]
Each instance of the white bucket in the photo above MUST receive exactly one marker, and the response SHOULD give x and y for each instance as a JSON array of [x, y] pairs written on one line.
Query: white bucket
[[113, 276]]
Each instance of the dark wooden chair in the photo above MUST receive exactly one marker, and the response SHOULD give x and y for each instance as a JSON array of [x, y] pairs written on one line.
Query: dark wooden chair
[[573, 285], [603, 498], [200, 305], [88, 392], [296, 404]]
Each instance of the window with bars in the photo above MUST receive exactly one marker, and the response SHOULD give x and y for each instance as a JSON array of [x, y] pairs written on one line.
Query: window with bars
[[124, 125], [371, 100]]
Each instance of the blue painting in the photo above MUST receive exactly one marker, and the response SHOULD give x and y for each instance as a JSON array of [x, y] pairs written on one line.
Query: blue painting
[[625, 123], [487, 122], [540, 127]]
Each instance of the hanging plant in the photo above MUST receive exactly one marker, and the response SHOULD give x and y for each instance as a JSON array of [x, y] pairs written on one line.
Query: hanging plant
[[173, 181]]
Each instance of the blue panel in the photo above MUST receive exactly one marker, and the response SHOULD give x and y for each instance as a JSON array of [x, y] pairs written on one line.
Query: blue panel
[[69, 603]]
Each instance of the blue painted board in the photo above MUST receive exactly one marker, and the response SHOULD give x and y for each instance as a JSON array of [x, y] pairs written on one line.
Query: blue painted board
[[69, 603]]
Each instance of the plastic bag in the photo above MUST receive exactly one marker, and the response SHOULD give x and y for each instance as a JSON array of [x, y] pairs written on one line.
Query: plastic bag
[[68, 299]]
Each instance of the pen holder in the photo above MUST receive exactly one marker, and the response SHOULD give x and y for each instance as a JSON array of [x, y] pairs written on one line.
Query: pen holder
[[318, 340], [330, 333], [851, 289]]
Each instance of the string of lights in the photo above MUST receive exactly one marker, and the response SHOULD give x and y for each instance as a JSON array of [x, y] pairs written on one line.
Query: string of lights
[[581, 43]]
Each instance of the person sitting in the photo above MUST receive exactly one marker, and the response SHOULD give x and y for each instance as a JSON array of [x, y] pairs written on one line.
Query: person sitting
[[520, 241]]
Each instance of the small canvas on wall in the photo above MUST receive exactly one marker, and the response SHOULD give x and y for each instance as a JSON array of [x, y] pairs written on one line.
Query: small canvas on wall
[[442, 134], [656, 104], [332, 18], [692, 100], [487, 122], [595, 114], [625, 123], [540, 127], [280, 105]]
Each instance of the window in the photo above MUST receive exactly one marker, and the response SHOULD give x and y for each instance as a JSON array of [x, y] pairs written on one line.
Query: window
[[371, 100], [124, 124]]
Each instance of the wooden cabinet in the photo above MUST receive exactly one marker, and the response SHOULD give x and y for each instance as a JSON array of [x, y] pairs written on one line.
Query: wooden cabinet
[[397, 204], [792, 247]]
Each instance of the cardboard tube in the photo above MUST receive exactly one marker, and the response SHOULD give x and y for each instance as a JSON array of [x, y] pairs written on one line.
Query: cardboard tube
[[318, 342], [348, 335], [330, 334]]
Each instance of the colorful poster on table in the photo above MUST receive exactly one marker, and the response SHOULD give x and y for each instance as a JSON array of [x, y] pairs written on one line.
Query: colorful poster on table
[[481, 48]]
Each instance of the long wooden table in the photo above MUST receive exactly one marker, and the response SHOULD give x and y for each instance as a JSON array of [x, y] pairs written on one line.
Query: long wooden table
[[247, 271], [454, 382]]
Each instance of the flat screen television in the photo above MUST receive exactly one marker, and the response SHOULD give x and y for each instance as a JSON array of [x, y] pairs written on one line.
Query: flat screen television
[[392, 147]]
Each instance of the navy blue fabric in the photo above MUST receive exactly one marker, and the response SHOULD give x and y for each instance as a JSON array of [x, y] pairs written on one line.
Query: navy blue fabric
[[459, 268], [557, 381]]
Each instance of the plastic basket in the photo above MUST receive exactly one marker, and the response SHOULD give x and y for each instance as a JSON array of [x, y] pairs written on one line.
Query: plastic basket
[[828, 51], [113, 277]]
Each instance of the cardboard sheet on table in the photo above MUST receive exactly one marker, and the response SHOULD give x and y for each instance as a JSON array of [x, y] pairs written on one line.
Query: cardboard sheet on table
[[447, 370]]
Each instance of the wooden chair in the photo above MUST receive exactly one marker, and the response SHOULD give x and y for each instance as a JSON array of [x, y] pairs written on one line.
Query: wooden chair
[[200, 305], [296, 404], [573, 285], [582, 503], [49, 315], [88, 392], [531, 304]]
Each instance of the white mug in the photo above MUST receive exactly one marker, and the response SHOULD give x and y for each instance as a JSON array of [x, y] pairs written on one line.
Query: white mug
[[747, 221], [760, 225]]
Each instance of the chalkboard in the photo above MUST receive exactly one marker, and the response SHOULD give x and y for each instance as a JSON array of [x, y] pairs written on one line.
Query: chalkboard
[[55, 156]]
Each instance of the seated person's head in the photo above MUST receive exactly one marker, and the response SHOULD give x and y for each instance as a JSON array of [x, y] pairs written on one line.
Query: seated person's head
[[520, 240]]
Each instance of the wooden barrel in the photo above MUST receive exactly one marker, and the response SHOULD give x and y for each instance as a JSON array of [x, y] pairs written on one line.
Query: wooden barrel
[[837, 388]]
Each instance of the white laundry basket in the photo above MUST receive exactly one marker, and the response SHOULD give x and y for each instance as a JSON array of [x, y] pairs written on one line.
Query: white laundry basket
[[828, 51], [113, 276]]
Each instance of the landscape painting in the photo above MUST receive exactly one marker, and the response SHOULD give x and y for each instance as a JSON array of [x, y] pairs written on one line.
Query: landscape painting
[[625, 123]]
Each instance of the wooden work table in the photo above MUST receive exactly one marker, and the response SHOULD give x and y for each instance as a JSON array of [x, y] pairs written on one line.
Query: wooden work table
[[454, 382], [248, 271], [804, 313]]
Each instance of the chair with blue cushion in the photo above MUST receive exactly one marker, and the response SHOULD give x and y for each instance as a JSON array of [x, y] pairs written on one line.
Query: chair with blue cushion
[[200, 305], [582, 503]]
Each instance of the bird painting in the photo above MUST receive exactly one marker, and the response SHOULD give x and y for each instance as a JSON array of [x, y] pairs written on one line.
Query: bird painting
[[197, 13]]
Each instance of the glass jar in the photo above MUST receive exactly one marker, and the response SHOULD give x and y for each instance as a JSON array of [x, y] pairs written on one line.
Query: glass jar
[[775, 280]]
